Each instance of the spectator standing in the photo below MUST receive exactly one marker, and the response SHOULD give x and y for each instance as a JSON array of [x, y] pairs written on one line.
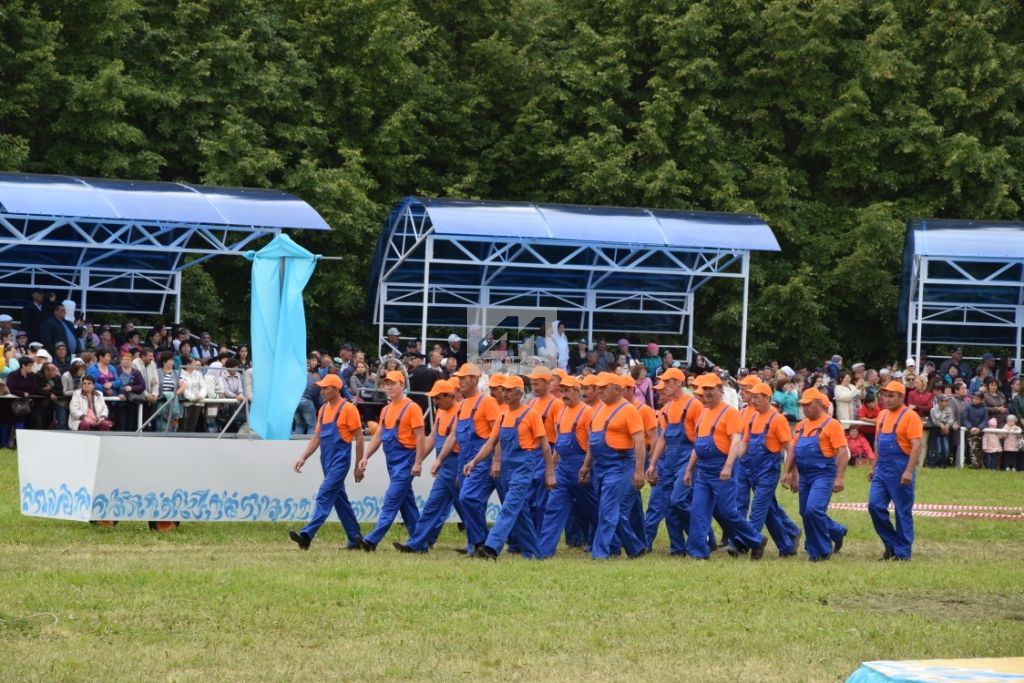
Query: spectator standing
[[231, 387], [183, 355], [942, 420], [644, 386], [48, 388], [1011, 444], [61, 358], [244, 361], [390, 346], [974, 418], [361, 379], [102, 373], [956, 360], [57, 329], [652, 361], [305, 414], [170, 387], [868, 412], [785, 397], [626, 350], [147, 365], [846, 397], [561, 345], [88, 410], [194, 395], [456, 349], [10, 364], [206, 351], [992, 446], [1016, 405], [578, 355], [605, 358], [422, 380], [131, 387], [995, 402], [33, 314]]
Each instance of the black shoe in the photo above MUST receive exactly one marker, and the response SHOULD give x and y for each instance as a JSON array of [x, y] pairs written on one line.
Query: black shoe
[[482, 552], [758, 552], [462, 551], [900, 559], [460, 526], [713, 544], [789, 554], [353, 545], [301, 539], [838, 545], [886, 556], [402, 548], [366, 545], [823, 558], [643, 552]]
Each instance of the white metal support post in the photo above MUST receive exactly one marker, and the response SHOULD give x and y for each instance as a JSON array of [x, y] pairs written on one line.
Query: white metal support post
[[428, 257], [922, 275], [746, 297], [177, 297], [84, 281]]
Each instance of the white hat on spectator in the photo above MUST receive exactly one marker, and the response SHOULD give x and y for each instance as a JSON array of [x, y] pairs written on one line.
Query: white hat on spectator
[[44, 354], [857, 366], [4, 318], [36, 345], [911, 363], [883, 372], [78, 361], [787, 371], [393, 332], [454, 337], [897, 375]]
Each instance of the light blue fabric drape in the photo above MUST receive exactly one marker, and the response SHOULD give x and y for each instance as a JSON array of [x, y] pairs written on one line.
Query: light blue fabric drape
[[280, 271]]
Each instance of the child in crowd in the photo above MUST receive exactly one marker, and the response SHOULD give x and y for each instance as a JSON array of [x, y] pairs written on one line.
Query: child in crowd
[[1012, 445], [860, 448], [992, 446], [938, 445]]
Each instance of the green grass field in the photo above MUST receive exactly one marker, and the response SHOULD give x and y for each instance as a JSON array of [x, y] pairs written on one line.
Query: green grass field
[[240, 602]]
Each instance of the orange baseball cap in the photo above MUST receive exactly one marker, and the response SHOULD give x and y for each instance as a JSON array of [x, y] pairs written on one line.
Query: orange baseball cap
[[559, 373], [395, 376], [659, 386], [749, 382], [606, 378], [513, 382], [813, 394], [495, 380], [707, 381], [540, 372], [627, 381], [895, 387], [761, 388], [469, 370], [672, 373], [441, 386], [569, 381], [588, 381], [330, 381]]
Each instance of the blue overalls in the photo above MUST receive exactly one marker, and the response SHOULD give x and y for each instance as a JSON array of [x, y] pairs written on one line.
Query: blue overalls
[[670, 468], [885, 487], [759, 471], [444, 494], [711, 494], [817, 476], [476, 489], [335, 459], [538, 491], [569, 494], [613, 480], [517, 466], [399, 496]]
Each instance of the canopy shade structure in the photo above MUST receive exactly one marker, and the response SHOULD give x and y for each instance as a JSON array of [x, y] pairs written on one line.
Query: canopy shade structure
[[962, 284], [120, 245], [605, 269]]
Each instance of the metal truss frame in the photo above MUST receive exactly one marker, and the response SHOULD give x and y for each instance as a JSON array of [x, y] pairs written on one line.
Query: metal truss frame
[[413, 244], [976, 276], [92, 245]]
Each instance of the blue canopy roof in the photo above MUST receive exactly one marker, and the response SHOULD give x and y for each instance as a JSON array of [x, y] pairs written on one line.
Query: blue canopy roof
[[28, 194], [975, 265], [557, 248], [66, 233]]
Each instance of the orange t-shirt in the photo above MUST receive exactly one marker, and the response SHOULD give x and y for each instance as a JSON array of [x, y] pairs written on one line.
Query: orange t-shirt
[[487, 411], [649, 419], [530, 429], [729, 424], [620, 430], [444, 424], [673, 413], [346, 417], [910, 427], [831, 438], [778, 430], [568, 416], [549, 408], [412, 419]]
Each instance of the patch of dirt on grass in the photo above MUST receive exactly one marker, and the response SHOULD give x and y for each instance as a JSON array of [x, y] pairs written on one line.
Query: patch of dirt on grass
[[973, 606]]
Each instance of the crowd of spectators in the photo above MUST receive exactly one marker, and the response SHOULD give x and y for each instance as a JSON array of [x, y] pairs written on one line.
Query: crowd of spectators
[[60, 371]]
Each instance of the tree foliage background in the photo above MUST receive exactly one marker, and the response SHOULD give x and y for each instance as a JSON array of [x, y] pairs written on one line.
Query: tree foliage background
[[836, 121]]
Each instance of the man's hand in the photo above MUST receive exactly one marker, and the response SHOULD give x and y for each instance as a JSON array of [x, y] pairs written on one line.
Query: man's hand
[[837, 486], [638, 480], [688, 477], [652, 475], [495, 468], [907, 478], [361, 469], [434, 468], [417, 469], [549, 480], [584, 475], [298, 464], [726, 473]]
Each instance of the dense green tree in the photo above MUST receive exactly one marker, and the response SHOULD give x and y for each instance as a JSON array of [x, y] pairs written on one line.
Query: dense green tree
[[835, 121]]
